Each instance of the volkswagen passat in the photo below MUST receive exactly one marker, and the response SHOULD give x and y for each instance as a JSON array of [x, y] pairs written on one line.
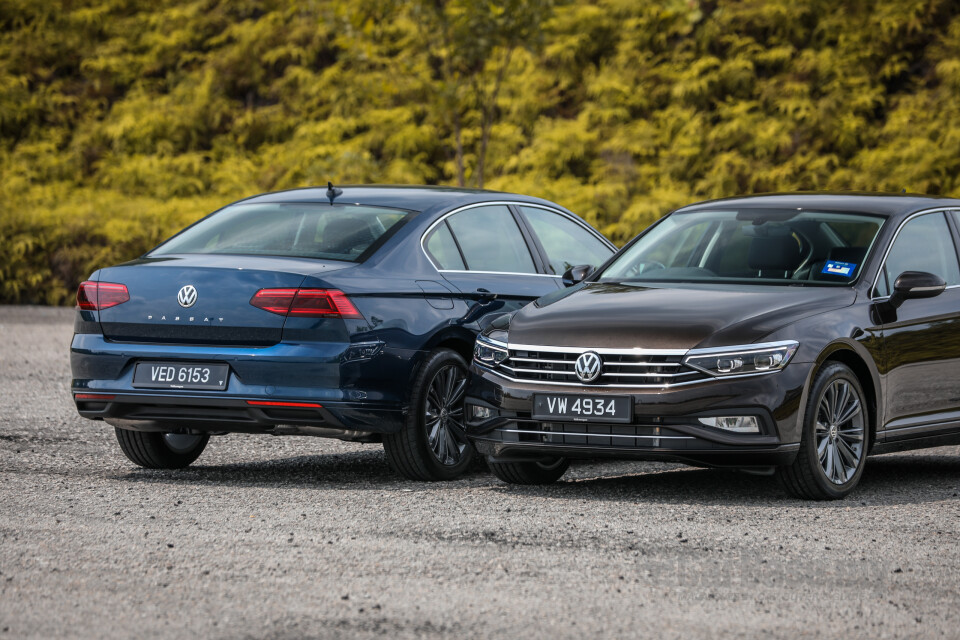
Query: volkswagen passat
[[349, 313], [785, 333]]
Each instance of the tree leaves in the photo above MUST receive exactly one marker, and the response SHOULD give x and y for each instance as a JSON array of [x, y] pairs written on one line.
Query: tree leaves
[[121, 121]]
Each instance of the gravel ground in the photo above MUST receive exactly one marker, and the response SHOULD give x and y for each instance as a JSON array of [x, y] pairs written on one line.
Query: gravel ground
[[301, 537]]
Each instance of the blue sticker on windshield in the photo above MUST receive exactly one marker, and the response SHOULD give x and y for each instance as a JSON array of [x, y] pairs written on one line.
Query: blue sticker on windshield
[[836, 268]]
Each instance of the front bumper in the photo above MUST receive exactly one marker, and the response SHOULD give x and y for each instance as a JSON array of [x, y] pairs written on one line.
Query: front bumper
[[665, 422], [362, 395]]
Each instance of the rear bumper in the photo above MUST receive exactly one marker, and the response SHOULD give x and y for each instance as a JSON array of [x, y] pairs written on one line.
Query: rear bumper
[[169, 412], [367, 394]]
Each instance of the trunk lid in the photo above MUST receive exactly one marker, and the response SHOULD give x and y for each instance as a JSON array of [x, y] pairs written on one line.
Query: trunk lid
[[219, 313]]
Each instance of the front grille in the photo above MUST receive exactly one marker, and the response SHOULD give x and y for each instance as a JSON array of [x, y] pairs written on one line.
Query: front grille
[[594, 435], [630, 369]]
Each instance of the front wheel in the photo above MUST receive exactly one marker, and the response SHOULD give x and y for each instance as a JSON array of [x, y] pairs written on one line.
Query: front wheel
[[834, 444], [544, 471], [153, 450], [433, 445]]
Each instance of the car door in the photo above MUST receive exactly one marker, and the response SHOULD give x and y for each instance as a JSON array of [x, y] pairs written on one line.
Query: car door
[[484, 252], [921, 338], [563, 241]]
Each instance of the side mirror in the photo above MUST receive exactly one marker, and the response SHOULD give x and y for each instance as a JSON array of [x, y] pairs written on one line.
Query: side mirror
[[911, 285], [576, 274]]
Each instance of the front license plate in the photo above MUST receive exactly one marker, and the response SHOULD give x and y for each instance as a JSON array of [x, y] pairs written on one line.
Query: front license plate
[[180, 375], [582, 408]]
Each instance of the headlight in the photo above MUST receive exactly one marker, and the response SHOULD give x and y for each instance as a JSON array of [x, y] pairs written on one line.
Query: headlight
[[488, 352], [742, 360]]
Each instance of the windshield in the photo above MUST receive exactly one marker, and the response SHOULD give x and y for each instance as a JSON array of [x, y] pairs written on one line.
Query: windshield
[[337, 232], [761, 246]]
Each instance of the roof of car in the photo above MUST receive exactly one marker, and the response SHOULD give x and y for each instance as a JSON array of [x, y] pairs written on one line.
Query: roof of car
[[413, 198], [886, 204]]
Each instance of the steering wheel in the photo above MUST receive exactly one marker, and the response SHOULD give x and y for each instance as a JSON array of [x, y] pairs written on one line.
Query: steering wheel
[[643, 267], [806, 246]]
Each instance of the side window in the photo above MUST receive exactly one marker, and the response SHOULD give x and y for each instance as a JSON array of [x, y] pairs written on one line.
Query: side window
[[567, 243], [443, 249], [491, 240], [923, 244]]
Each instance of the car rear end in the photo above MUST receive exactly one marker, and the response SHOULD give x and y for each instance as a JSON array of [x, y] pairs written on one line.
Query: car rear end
[[212, 335]]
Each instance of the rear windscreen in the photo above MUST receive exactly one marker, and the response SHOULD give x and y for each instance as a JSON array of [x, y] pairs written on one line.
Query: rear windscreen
[[336, 232]]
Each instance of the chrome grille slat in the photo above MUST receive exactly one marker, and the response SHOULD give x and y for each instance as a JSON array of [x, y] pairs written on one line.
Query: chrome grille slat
[[594, 435], [554, 371], [651, 375], [630, 367]]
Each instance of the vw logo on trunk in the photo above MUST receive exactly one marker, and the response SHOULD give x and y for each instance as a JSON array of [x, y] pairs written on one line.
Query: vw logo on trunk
[[187, 296], [587, 366]]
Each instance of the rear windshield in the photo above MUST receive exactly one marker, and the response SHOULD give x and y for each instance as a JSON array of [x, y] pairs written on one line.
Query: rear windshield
[[337, 232]]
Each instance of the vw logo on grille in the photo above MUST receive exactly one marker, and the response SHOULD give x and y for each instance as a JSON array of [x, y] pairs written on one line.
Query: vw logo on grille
[[587, 366], [187, 296]]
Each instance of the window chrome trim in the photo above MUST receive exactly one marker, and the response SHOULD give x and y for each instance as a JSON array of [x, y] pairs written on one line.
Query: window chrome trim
[[508, 203], [507, 273], [896, 234]]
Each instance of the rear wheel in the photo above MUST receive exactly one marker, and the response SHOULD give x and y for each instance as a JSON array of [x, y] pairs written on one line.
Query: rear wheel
[[154, 450], [834, 444], [543, 471], [433, 445]]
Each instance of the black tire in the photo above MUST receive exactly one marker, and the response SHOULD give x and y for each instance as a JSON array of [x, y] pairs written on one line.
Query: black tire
[[153, 450], [547, 471], [809, 477], [432, 445]]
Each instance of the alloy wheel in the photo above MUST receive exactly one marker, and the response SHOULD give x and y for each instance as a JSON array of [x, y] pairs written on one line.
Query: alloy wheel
[[443, 415], [839, 431]]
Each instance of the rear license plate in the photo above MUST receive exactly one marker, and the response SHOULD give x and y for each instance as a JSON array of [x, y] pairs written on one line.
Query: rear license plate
[[180, 375], [582, 408]]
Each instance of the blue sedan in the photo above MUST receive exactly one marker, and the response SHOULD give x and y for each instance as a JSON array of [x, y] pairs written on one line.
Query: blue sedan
[[347, 313]]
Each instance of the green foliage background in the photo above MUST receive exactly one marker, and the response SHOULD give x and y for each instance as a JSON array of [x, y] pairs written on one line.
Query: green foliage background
[[123, 120]]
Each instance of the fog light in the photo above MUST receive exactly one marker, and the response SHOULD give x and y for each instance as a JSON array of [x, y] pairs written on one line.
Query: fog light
[[481, 413], [737, 424]]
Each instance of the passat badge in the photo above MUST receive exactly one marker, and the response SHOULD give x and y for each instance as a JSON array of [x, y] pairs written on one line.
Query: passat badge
[[187, 296], [587, 366]]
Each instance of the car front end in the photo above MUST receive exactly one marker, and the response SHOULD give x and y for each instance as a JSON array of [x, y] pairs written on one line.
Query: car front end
[[734, 406]]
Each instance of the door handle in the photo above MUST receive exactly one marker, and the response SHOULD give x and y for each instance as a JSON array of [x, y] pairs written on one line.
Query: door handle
[[485, 296]]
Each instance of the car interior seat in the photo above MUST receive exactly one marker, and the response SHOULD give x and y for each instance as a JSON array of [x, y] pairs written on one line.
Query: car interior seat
[[774, 256], [346, 236]]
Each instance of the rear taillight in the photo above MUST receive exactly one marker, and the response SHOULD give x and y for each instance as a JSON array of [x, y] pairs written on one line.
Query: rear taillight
[[101, 295], [305, 303]]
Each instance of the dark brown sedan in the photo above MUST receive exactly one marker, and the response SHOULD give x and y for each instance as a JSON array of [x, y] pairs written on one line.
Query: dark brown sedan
[[787, 334]]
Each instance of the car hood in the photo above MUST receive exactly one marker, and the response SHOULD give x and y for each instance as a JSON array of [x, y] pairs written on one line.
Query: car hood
[[616, 315]]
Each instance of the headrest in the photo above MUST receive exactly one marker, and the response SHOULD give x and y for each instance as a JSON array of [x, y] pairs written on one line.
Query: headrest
[[775, 253], [343, 235], [854, 255]]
